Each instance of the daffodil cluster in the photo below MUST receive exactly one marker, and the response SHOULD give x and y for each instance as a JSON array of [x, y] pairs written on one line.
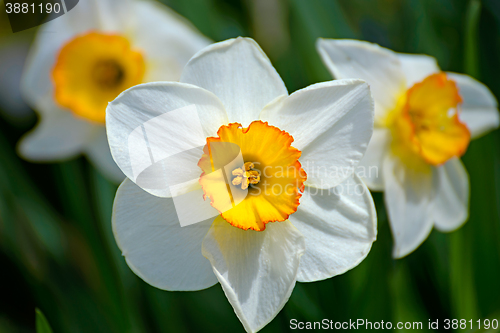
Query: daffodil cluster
[[231, 180]]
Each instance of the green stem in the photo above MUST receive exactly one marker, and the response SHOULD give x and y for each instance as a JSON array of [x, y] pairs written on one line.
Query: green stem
[[462, 289], [78, 208], [473, 14]]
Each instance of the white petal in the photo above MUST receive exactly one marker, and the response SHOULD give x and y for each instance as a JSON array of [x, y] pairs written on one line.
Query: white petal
[[339, 226], [257, 269], [168, 40], [451, 205], [370, 166], [417, 67], [150, 123], [113, 15], [479, 108], [378, 66], [58, 136], [156, 247], [99, 154], [331, 123], [240, 74], [408, 198]]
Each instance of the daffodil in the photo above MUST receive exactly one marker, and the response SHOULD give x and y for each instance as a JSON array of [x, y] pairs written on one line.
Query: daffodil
[[424, 120], [291, 214], [82, 60]]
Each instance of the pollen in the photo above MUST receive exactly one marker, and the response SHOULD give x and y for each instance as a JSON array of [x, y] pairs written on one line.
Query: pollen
[[245, 176], [93, 69]]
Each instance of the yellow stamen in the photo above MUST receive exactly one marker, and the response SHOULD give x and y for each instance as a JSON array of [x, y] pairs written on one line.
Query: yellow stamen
[[237, 180], [245, 178], [248, 166]]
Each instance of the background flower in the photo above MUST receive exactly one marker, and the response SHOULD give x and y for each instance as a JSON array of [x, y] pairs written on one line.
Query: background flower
[[84, 59], [417, 142]]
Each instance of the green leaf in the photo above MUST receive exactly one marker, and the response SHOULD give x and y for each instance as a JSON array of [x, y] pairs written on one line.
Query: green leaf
[[26, 206], [471, 36], [42, 325], [311, 20]]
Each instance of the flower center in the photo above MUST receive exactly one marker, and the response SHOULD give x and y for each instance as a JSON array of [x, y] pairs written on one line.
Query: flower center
[[93, 69], [245, 176], [108, 74], [425, 126], [250, 194]]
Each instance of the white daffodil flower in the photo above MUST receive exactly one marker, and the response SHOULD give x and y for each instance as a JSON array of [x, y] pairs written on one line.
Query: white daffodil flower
[[424, 120], [321, 228], [82, 60]]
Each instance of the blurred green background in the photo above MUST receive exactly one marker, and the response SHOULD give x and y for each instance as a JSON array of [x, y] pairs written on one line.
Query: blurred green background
[[57, 252]]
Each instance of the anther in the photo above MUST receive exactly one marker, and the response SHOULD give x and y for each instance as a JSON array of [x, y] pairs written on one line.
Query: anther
[[245, 176]]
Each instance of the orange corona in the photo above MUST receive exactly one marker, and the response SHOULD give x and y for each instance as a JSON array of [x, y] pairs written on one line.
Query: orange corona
[[271, 176], [92, 70], [425, 125]]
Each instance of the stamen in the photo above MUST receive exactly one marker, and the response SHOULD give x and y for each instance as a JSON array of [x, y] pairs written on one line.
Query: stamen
[[237, 172], [237, 180], [247, 177], [248, 166], [253, 176]]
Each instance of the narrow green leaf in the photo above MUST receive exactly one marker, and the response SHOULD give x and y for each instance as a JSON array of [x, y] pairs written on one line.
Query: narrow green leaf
[[408, 306], [102, 194], [471, 35], [463, 291], [42, 324], [301, 301], [496, 157], [20, 197], [315, 19], [74, 193]]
